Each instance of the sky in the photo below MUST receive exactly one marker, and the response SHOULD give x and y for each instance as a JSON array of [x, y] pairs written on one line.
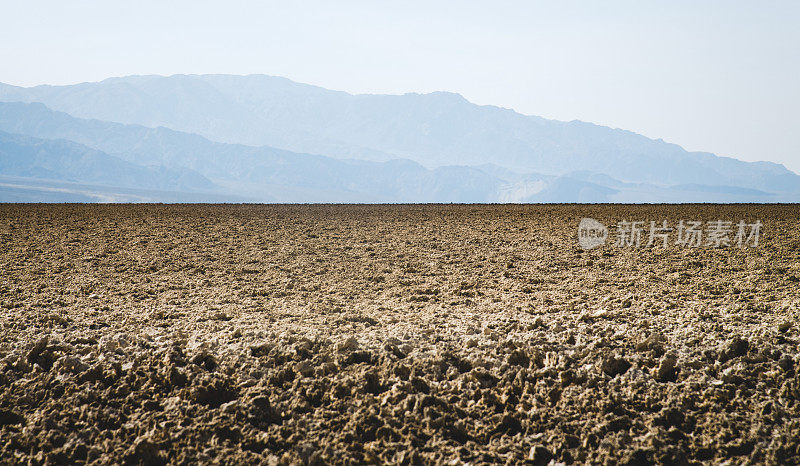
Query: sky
[[715, 76]]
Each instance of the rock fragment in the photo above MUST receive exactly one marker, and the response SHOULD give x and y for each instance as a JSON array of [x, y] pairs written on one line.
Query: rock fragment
[[38, 349], [667, 369], [518, 357], [786, 363], [539, 455], [614, 366], [350, 344], [735, 348]]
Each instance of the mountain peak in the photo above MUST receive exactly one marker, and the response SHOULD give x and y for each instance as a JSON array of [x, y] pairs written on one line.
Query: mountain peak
[[440, 96]]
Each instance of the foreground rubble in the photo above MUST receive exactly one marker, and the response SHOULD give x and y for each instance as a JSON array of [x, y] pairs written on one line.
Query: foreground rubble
[[392, 334]]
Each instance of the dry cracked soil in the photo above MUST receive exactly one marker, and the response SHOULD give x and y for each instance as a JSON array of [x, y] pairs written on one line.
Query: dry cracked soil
[[403, 334]]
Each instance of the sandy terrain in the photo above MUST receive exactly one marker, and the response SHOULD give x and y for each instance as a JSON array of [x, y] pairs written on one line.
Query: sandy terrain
[[392, 334]]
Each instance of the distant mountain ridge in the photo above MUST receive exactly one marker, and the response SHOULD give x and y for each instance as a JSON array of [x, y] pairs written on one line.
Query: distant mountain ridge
[[25, 156], [254, 135], [259, 173]]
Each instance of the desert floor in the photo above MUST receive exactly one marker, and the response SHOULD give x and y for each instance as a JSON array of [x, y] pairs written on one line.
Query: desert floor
[[392, 334]]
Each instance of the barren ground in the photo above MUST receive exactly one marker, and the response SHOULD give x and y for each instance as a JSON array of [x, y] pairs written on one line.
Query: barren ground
[[392, 334]]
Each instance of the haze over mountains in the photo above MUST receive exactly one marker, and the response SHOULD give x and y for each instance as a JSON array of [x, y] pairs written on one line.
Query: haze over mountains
[[268, 139]]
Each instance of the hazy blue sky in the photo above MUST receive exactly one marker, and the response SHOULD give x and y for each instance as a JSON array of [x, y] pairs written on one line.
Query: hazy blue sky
[[720, 76]]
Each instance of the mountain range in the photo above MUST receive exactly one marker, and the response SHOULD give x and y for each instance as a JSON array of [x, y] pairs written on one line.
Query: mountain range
[[268, 139]]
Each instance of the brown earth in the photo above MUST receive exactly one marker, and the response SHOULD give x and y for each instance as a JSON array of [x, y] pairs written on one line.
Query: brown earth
[[392, 334]]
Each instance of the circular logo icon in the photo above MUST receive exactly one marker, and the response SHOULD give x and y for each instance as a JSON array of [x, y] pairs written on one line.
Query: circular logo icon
[[591, 233]]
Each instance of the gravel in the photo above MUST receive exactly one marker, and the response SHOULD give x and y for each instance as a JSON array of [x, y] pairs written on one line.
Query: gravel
[[227, 334]]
